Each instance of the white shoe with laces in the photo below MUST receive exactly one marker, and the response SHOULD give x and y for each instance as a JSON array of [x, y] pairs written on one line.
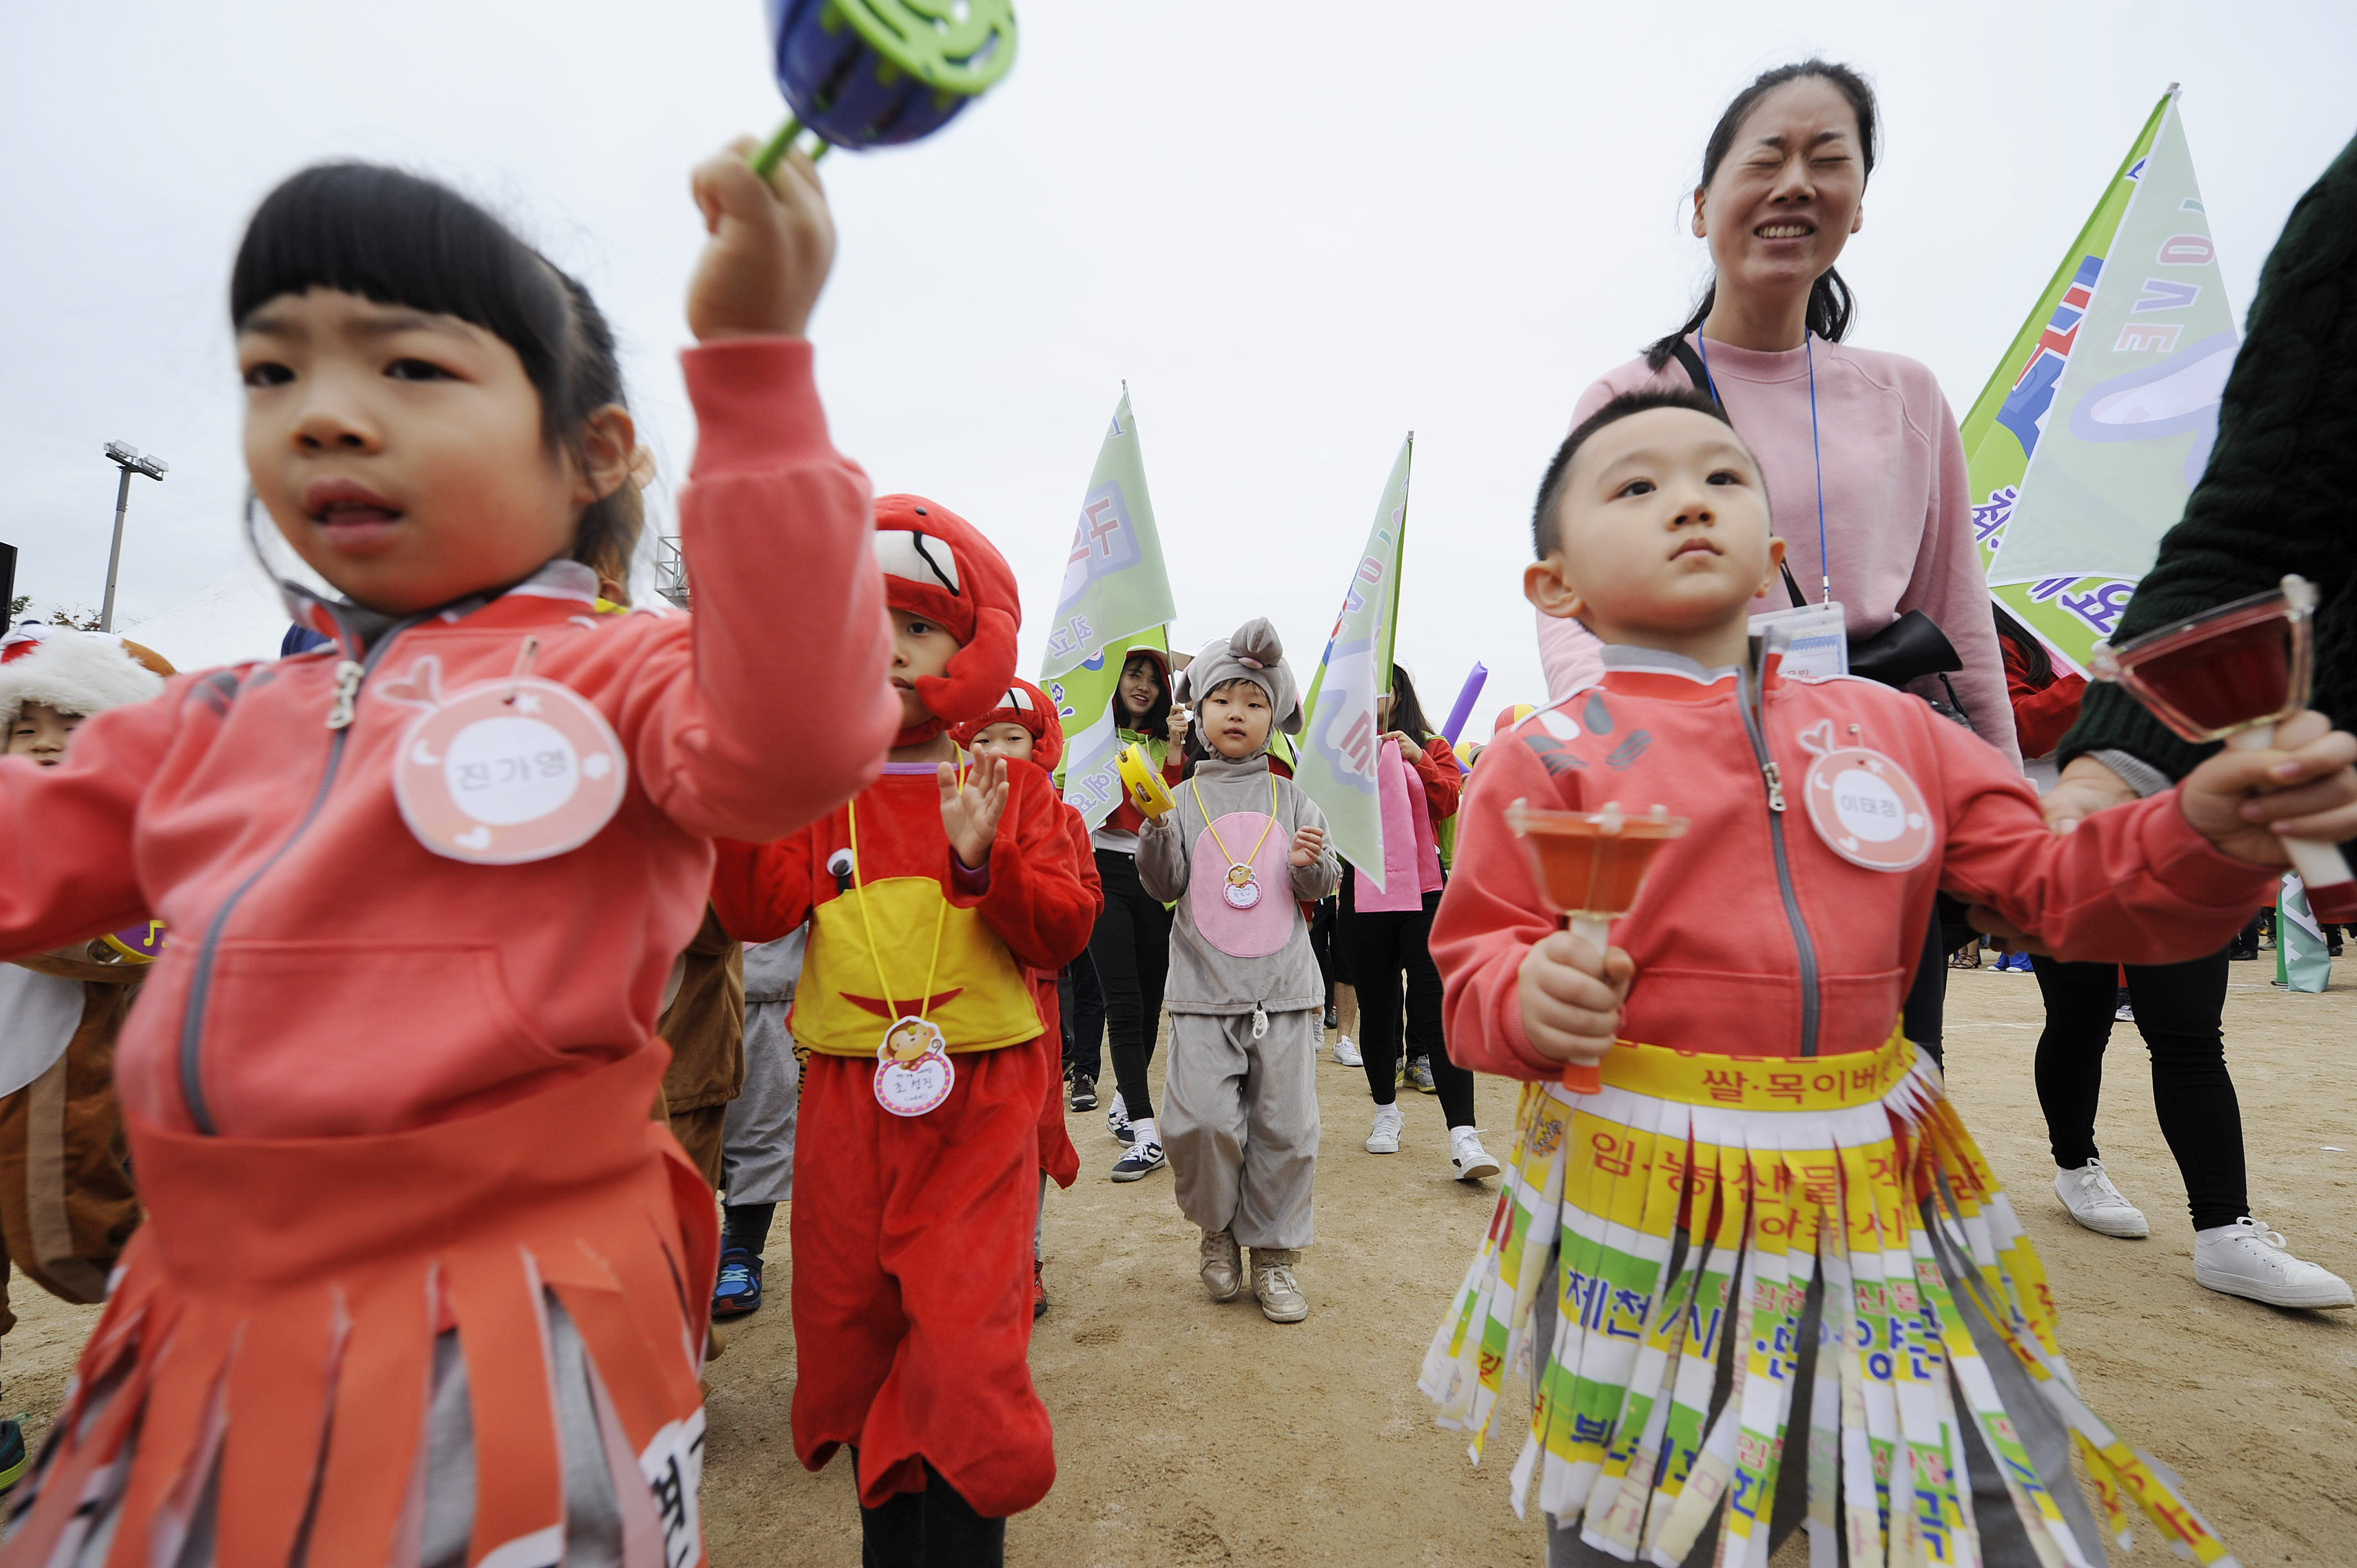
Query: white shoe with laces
[[1385, 1138], [2246, 1258], [1467, 1159], [1138, 1162], [2088, 1193], [1346, 1052], [1275, 1287]]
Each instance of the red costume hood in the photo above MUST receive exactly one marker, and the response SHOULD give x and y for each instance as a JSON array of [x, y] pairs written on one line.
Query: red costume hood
[[937, 566]]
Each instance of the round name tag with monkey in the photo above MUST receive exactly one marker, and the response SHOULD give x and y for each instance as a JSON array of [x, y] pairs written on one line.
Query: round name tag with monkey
[[913, 1071]]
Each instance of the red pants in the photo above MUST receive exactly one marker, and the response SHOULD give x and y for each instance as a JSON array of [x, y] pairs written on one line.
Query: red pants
[[913, 1280]]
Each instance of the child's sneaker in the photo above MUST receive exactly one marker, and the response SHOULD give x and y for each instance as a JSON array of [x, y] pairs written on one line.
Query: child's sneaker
[[1468, 1158], [1222, 1266], [2088, 1193], [1039, 1292], [1117, 1121], [14, 1459], [1142, 1160], [1280, 1297], [1081, 1091], [1346, 1052], [1417, 1073], [1385, 1138], [739, 1290], [2247, 1259]]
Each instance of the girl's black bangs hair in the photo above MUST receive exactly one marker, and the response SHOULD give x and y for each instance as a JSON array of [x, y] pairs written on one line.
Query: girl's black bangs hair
[[402, 240]]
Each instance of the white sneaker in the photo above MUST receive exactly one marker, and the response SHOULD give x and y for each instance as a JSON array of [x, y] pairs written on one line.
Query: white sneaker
[[1279, 1293], [2247, 1259], [2088, 1193], [1385, 1138], [1140, 1161], [1222, 1266], [1346, 1052], [1468, 1159]]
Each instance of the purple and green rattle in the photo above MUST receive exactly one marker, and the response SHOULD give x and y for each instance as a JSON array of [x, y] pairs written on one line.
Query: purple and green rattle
[[866, 73]]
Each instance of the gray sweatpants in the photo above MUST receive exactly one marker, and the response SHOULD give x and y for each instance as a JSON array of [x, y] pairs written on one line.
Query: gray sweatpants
[[1240, 1124], [2004, 1542], [756, 1153]]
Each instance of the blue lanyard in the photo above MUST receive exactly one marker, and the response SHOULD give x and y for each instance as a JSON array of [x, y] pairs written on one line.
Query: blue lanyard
[[1816, 448]]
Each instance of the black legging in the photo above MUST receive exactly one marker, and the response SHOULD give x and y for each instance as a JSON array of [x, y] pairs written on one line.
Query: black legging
[[1321, 947], [1084, 1019], [1131, 949], [1924, 1016], [2178, 1008], [1375, 950]]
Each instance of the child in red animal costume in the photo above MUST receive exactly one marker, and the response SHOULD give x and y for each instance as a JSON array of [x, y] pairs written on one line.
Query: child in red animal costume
[[930, 896], [1024, 725]]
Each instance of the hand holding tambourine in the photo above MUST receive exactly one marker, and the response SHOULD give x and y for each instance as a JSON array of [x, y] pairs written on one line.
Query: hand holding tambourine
[[1142, 782]]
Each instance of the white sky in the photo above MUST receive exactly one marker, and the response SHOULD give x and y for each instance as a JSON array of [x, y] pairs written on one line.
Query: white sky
[[1299, 230]]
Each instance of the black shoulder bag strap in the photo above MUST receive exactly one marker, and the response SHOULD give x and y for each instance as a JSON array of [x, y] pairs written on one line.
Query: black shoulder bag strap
[[1699, 374]]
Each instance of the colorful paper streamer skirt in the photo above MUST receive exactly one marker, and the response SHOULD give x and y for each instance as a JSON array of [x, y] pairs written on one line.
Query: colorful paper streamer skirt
[[269, 1343], [1774, 1172]]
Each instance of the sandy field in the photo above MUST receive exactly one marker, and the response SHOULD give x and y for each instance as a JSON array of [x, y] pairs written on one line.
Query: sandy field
[[1189, 1433]]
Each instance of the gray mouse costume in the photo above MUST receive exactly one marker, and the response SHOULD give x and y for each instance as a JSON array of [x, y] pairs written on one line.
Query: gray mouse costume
[[1239, 1110]]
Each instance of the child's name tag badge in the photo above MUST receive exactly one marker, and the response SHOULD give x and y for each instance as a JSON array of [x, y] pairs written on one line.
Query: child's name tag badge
[[1812, 639], [508, 771], [913, 1073], [1864, 805]]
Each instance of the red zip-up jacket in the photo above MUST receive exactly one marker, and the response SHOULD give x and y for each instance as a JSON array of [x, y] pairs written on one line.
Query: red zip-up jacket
[[327, 974], [1752, 935]]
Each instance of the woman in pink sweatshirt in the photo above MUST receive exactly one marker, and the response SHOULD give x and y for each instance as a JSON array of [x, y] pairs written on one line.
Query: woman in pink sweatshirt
[[387, 1091], [1864, 438]]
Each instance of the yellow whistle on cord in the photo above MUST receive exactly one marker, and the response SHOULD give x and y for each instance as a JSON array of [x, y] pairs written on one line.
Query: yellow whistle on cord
[[1142, 782]]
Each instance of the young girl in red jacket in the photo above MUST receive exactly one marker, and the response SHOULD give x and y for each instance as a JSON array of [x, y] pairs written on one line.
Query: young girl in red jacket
[[1024, 727], [1762, 1273], [932, 900], [386, 1092]]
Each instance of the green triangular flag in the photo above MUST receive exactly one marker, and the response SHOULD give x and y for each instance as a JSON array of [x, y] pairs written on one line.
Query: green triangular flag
[[2303, 962]]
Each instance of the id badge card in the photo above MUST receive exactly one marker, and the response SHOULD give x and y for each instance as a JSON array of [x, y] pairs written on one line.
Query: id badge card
[[1814, 640]]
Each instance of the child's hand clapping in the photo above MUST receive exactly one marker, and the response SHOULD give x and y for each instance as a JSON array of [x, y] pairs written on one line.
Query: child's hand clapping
[[2302, 786], [772, 243], [1308, 845], [1571, 997], [971, 810]]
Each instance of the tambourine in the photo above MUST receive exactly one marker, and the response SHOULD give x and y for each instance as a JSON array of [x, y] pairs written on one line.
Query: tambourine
[[138, 944], [1142, 781], [865, 73]]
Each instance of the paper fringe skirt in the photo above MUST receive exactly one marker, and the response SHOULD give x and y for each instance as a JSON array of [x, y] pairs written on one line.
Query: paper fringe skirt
[[269, 1343], [1776, 1171]]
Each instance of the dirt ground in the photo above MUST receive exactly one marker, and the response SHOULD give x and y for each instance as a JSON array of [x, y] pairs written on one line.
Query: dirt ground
[[1189, 1433]]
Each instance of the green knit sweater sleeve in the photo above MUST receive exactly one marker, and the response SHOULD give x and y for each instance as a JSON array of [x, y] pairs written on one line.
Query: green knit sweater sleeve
[[2276, 496]]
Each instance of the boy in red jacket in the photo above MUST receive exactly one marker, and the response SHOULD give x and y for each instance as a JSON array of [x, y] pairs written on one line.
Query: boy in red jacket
[[1769, 1222], [929, 896]]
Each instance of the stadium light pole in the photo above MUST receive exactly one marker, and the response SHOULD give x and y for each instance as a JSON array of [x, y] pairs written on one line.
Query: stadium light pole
[[127, 458]]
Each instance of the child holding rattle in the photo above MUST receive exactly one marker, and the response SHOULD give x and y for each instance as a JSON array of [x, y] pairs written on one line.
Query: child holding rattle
[[1763, 1273], [419, 1279]]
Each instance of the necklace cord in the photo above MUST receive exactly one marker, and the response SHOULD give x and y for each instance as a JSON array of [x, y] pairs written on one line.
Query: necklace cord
[[1213, 827], [868, 919]]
